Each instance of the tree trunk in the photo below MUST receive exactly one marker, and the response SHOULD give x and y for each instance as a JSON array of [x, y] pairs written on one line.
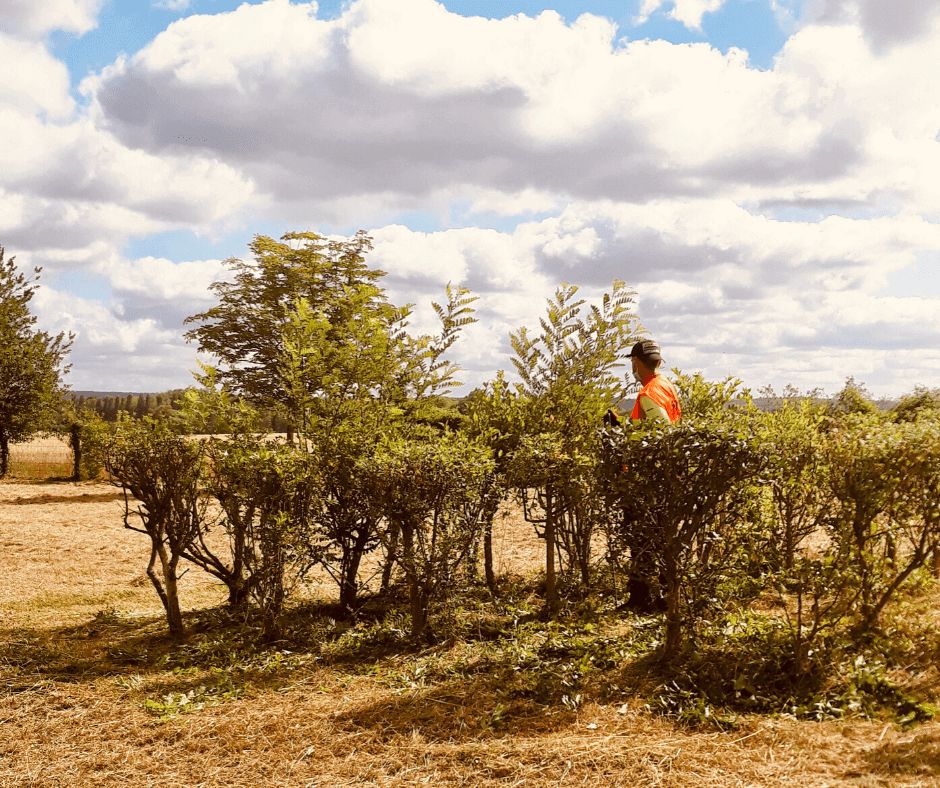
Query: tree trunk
[[75, 439], [4, 453], [391, 557], [673, 642], [551, 581], [417, 596], [936, 561], [349, 586], [488, 556], [166, 587], [237, 593]]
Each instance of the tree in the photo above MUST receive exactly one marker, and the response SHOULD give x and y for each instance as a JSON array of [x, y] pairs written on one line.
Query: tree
[[160, 475], [801, 501], [885, 523], [303, 283], [432, 489], [692, 513], [32, 362], [306, 328], [569, 377]]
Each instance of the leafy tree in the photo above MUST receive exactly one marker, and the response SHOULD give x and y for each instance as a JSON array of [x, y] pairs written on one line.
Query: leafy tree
[[296, 302], [795, 475], [160, 475], [854, 398], [88, 435], [708, 400], [433, 489], [871, 465], [569, 377], [32, 362], [692, 514], [350, 385], [495, 417], [306, 328], [921, 403]]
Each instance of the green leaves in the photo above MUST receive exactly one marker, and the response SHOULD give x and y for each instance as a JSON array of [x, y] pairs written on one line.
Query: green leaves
[[32, 362]]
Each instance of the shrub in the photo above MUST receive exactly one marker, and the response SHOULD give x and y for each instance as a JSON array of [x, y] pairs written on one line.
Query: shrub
[[163, 473], [685, 488]]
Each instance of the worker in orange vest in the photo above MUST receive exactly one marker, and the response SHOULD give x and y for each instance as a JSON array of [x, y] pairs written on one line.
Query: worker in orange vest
[[657, 400]]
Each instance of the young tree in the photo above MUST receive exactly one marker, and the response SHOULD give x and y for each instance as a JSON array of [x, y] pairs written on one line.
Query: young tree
[[324, 289], [32, 362], [433, 489], [795, 475], [569, 377], [885, 523], [691, 514], [161, 472], [495, 415]]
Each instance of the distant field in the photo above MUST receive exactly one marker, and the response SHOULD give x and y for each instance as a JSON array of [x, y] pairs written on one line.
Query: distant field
[[41, 458]]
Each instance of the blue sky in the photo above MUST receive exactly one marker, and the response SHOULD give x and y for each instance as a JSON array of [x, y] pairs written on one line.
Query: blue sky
[[774, 211]]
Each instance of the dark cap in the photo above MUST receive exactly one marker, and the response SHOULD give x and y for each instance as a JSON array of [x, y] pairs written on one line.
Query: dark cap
[[646, 349]]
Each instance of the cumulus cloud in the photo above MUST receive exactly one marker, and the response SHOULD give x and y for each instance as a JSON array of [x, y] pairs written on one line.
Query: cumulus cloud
[[35, 18], [883, 23], [689, 12], [406, 98], [31, 80], [714, 187]]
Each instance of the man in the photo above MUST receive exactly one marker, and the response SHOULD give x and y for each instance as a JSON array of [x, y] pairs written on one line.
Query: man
[[657, 400]]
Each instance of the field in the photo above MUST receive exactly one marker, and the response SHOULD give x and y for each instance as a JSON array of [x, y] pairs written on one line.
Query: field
[[41, 458], [92, 691]]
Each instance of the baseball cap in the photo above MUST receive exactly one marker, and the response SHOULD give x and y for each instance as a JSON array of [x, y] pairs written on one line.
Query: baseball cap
[[646, 348]]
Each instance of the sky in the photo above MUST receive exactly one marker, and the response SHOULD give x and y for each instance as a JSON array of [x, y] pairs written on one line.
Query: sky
[[764, 173]]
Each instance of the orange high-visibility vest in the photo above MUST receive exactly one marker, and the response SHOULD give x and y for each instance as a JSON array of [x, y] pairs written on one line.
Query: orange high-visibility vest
[[663, 393]]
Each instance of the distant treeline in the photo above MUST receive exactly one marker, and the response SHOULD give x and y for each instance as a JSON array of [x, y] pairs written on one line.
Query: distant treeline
[[109, 404]]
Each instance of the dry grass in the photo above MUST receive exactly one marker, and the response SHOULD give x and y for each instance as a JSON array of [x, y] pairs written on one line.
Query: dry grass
[[83, 649], [41, 458]]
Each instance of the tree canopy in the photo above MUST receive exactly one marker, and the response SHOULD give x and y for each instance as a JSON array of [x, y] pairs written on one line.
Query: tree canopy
[[32, 362]]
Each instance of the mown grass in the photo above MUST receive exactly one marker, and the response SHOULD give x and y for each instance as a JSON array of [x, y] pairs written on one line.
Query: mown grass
[[97, 693]]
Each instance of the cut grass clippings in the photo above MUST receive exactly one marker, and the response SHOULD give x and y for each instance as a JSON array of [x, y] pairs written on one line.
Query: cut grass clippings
[[92, 691]]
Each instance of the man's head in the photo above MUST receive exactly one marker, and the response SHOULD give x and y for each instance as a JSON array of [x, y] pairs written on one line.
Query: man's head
[[646, 359]]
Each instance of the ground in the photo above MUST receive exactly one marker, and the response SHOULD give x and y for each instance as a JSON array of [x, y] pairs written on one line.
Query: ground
[[93, 692]]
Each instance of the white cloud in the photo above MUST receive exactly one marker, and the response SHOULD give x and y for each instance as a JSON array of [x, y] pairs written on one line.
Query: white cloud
[[35, 18], [659, 163], [404, 100], [688, 12], [31, 80]]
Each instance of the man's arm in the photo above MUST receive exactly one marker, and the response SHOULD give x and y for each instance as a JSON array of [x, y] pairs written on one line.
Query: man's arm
[[650, 411]]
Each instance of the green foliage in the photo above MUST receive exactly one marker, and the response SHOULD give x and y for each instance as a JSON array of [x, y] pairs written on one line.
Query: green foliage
[[432, 489], [919, 404], [790, 437], [32, 362], [303, 277], [853, 400], [160, 475], [711, 401], [569, 373], [171, 705], [94, 434], [687, 507], [885, 524], [213, 409], [747, 666]]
